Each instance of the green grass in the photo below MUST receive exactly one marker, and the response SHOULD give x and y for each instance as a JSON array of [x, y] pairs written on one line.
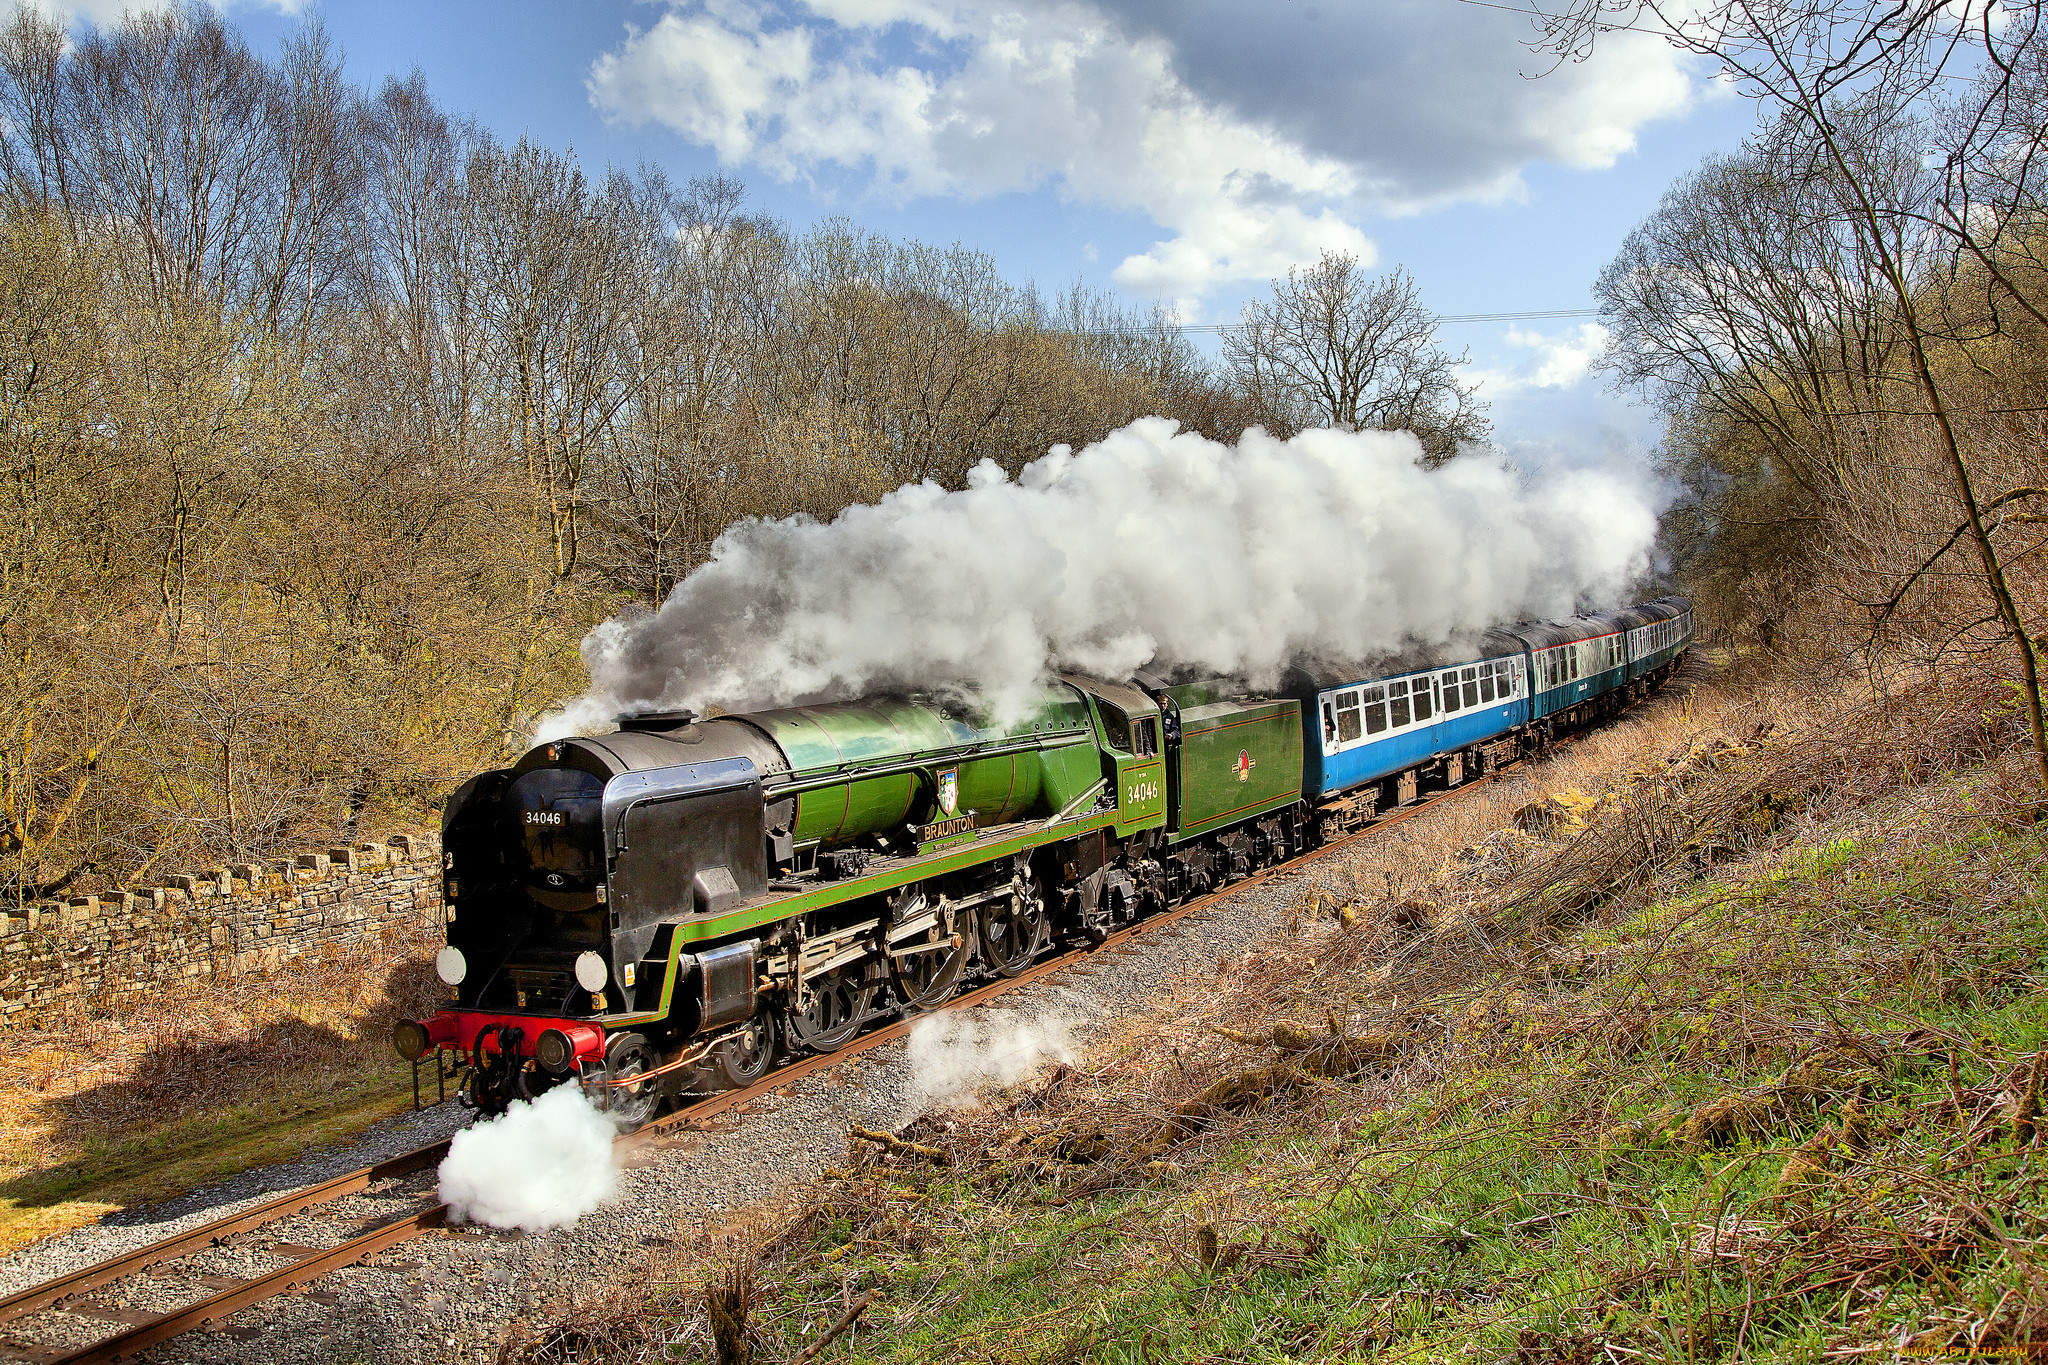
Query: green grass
[[1535, 1203]]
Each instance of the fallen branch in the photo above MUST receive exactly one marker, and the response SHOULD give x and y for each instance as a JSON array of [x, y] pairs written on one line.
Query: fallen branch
[[832, 1333], [891, 1143]]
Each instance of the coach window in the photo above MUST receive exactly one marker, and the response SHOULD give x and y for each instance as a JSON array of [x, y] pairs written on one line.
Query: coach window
[[1485, 682], [1572, 661], [1347, 717], [1421, 698], [1329, 724], [1375, 710], [1470, 678], [1147, 737], [1449, 690], [1397, 703]]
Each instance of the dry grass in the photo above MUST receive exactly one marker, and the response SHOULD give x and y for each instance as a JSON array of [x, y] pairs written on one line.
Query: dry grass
[[102, 1110], [1743, 1066]]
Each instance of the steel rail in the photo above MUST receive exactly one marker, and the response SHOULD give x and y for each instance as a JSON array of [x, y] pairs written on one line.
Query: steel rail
[[78, 1282], [56, 1294], [228, 1301]]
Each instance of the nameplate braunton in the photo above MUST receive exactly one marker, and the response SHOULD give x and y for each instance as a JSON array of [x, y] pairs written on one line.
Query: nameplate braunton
[[957, 829]]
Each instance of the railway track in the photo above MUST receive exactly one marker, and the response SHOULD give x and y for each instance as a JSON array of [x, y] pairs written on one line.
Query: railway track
[[83, 1296]]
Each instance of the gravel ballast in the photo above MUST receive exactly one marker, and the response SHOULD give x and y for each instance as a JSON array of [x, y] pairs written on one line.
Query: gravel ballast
[[453, 1295]]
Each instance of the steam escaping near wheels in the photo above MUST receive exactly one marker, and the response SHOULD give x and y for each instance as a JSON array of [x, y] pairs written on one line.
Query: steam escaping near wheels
[[542, 1164], [956, 1053], [1153, 548]]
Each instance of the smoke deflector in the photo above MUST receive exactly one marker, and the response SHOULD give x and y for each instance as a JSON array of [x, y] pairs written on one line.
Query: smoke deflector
[[680, 841]]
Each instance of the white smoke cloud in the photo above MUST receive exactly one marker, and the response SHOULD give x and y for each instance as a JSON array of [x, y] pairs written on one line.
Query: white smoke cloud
[[1155, 547], [956, 1053], [540, 1165]]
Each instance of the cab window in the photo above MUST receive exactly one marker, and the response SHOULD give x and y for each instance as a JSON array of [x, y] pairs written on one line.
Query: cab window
[[1147, 737], [1116, 727]]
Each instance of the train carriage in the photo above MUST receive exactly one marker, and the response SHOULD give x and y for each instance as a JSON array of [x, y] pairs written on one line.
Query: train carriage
[[1362, 731], [1660, 636], [1573, 662], [676, 904]]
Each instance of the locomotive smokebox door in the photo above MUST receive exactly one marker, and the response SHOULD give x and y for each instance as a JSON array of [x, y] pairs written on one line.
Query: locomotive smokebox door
[[683, 841]]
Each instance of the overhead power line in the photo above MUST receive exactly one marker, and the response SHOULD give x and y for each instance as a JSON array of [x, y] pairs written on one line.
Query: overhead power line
[[1521, 317], [1219, 328]]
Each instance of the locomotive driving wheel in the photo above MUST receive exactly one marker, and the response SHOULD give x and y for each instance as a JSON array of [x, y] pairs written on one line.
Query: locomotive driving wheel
[[744, 1056], [627, 1102], [834, 1007], [923, 967], [1012, 927]]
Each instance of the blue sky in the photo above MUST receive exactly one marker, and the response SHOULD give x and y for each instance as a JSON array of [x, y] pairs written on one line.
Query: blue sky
[[1177, 150]]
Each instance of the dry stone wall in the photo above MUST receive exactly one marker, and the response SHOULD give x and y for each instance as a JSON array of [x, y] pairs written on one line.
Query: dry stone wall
[[95, 951]]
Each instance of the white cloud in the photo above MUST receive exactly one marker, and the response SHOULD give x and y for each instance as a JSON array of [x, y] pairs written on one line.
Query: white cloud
[[1558, 360], [1052, 96], [1253, 142]]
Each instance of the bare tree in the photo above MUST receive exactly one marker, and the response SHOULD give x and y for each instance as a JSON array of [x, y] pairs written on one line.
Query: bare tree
[[1835, 72], [1336, 347], [1748, 308], [328, 426]]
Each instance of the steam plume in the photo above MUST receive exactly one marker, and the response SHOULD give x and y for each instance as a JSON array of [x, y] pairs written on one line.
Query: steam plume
[[1154, 547], [540, 1165], [954, 1054]]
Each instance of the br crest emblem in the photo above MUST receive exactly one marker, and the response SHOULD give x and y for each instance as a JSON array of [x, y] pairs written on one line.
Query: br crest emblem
[[949, 791], [1244, 765]]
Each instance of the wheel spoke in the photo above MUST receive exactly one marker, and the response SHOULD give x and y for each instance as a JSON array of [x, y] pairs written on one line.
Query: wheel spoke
[[833, 1013], [926, 978], [1010, 932]]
